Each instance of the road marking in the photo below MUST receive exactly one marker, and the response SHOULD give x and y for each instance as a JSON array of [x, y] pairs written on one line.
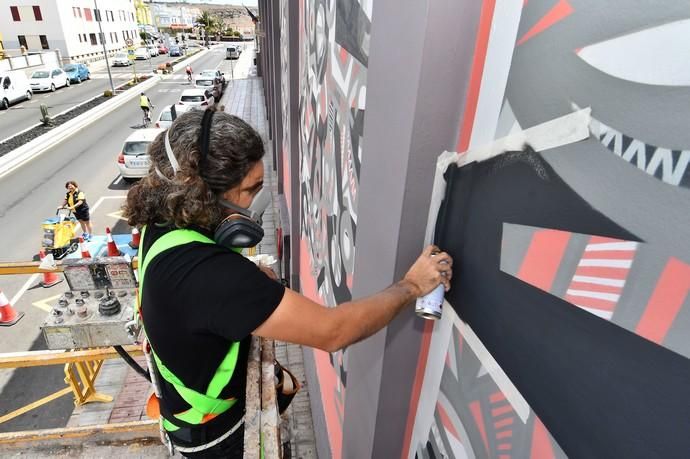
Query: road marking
[[117, 215], [103, 198], [45, 303], [24, 288], [117, 180]]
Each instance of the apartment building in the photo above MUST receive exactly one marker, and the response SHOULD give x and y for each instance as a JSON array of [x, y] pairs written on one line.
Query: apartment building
[[70, 26]]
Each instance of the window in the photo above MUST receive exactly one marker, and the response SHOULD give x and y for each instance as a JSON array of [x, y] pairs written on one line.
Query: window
[[22, 41], [79, 35], [84, 37], [56, 73], [6, 83], [117, 40], [44, 41], [102, 37], [109, 16], [87, 14], [37, 14], [92, 36], [15, 13], [97, 13]]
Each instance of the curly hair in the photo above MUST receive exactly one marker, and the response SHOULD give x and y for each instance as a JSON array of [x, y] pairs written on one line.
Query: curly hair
[[190, 196]]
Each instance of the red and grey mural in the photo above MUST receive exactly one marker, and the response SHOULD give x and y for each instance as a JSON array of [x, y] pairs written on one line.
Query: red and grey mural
[[334, 41], [567, 331]]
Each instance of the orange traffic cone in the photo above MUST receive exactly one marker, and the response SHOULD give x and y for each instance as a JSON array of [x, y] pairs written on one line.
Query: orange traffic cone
[[84, 249], [49, 278], [8, 315], [134, 243], [113, 251]]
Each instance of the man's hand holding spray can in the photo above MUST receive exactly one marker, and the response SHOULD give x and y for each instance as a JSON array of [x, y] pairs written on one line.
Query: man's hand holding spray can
[[431, 273], [430, 305]]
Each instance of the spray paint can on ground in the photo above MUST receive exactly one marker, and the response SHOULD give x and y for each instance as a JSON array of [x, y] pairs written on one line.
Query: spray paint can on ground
[[429, 306]]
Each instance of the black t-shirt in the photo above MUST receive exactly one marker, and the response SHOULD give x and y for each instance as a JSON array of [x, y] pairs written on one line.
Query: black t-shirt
[[197, 299]]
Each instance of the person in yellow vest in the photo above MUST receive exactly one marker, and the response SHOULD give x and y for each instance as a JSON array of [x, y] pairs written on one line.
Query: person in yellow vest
[[146, 105], [75, 200], [201, 300]]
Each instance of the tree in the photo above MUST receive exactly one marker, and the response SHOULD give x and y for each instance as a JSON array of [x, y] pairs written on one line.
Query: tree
[[210, 22]]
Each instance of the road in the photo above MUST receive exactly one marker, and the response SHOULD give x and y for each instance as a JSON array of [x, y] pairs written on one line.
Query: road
[[31, 193], [25, 114]]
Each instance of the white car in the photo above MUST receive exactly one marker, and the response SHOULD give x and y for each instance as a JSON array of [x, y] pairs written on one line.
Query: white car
[[165, 118], [121, 59], [196, 98], [142, 53], [14, 86], [48, 79], [134, 160], [153, 50], [214, 73]]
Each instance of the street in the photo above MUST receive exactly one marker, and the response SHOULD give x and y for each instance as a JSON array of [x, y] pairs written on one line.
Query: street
[[27, 113], [31, 194]]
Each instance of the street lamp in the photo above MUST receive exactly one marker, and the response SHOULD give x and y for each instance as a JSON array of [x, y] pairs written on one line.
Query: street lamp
[[105, 51]]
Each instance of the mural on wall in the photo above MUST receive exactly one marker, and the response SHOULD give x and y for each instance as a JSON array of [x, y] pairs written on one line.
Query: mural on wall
[[334, 48], [285, 100], [577, 279]]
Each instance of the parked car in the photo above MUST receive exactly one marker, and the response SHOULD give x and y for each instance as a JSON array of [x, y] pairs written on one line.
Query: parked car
[[77, 72], [165, 118], [121, 59], [174, 51], [134, 161], [215, 74], [197, 98], [162, 49], [48, 79], [142, 53], [153, 50], [210, 83], [232, 53], [14, 87]]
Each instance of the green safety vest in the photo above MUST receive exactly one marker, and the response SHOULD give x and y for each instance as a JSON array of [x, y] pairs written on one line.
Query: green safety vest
[[204, 407]]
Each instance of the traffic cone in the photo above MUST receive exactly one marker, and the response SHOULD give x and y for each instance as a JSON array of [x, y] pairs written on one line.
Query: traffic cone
[[113, 251], [8, 315], [49, 278], [134, 243], [84, 248]]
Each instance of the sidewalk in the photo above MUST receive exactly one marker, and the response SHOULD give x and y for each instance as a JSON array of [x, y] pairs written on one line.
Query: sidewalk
[[243, 98]]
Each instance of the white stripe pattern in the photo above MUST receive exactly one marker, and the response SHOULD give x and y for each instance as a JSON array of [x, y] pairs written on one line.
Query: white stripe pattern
[[605, 263], [627, 245], [600, 281], [598, 295]]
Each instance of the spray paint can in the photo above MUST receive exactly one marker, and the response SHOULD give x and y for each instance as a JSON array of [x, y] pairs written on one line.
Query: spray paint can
[[429, 306]]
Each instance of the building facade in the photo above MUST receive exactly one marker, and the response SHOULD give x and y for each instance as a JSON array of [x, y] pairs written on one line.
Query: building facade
[[173, 17], [69, 26]]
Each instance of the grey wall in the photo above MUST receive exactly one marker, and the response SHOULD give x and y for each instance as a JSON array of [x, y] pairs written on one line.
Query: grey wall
[[416, 90]]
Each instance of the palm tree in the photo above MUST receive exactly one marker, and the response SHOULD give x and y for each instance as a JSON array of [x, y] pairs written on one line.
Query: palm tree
[[209, 21]]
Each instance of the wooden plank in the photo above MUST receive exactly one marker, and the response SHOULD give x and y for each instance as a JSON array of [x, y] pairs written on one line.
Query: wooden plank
[[252, 412], [148, 427], [270, 419], [43, 358], [32, 267]]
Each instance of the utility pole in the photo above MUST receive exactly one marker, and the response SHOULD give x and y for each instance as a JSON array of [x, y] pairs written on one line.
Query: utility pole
[[105, 51]]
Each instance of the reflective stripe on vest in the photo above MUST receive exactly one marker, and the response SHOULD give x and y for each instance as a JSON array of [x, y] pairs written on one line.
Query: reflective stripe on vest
[[204, 407]]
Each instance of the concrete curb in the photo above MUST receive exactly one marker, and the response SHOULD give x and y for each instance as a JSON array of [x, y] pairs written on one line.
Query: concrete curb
[[20, 156]]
